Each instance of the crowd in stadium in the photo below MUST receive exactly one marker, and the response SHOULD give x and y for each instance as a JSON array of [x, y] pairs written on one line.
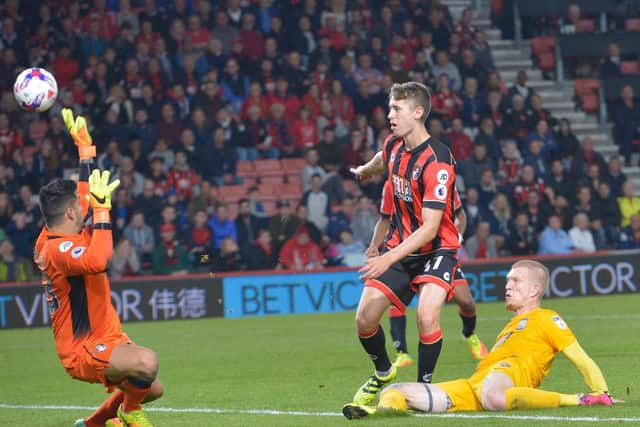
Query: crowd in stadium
[[188, 104]]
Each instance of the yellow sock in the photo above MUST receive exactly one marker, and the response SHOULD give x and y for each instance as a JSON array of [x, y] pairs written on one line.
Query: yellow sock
[[393, 399], [569, 400], [531, 398]]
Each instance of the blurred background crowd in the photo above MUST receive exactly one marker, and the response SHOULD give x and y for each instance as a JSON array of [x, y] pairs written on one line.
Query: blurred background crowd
[[232, 126]]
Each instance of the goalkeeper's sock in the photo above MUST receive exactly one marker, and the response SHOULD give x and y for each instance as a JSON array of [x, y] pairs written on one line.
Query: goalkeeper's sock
[[373, 343], [428, 353], [107, 410], [531, 398], [468, 322], [135, 391], [398, 323]]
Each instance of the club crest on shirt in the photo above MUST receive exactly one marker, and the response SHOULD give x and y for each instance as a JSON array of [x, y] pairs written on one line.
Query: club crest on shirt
[[522, 324], [416, 172], [442, 176], [559, 322], [77, 252], [440, 191], [100, 348], [65, 246]]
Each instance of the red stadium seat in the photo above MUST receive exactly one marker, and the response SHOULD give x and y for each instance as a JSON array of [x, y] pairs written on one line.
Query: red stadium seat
[[246, 169], [632, 24], [628, 67], [590, 103], [586, 86], [585, 26], [542, 44], [293, 165], [274, 180], [263, 165], [231, 193], [547, 61], [294, 178]]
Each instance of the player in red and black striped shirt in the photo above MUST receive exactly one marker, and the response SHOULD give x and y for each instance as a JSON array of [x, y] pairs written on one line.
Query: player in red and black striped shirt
[[462, 294], [423, 242]]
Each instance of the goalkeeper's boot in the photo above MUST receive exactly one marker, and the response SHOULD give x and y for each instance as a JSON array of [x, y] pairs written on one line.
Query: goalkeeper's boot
[[133, 418], [352, 411], [113, 422], [403, 360], [367, 392], [596, 399], [476, 347]]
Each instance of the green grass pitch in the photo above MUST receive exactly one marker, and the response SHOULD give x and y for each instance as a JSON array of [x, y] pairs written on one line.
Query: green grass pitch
[[311, 364]]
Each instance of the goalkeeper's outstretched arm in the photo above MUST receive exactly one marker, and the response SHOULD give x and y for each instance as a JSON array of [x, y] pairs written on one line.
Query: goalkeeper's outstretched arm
[[86, 152], [589, 369]]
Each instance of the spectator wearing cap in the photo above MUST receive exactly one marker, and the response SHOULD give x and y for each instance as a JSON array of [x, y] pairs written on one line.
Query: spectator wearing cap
[[222, 226], [554, 240], [300, 252], [170, 256], [283, 224]]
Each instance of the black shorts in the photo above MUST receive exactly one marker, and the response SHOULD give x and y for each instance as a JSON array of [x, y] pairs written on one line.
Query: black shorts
[[403, 279], [458, 278]]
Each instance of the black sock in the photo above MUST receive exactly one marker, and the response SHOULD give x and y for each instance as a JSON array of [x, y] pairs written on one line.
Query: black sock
[[374, 345], [399, 332], [427, 357], [468, 325]]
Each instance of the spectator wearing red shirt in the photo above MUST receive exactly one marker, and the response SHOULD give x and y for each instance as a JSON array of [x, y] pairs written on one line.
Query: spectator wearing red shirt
[[65, 67], [107, 19], [283, 96], [251, 39], [313, 100], [300, 252], [255, 98], [200, 36], [446, 103], [147, 34], [199, 238], [528, 184], [305, 130], [10, 138], [182, 178], [341, 102], [461, 144]]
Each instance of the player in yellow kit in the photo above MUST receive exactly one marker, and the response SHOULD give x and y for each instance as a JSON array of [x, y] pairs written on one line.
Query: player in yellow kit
[[508, 377]]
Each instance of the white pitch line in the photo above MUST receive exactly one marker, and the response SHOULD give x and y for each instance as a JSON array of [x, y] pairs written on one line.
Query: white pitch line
[[331, 414]]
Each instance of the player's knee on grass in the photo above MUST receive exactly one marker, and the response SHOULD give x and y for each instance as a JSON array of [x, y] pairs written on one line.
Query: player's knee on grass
[[494, 390]]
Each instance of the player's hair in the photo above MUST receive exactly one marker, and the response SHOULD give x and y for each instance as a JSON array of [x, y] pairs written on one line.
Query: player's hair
[[538, 273], [414, 91], [55, 198]]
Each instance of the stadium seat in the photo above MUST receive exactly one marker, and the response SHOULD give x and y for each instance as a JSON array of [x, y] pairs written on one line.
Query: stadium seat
[[590, 103], [231, 193], [293, 165], [294, 178], [263, 165], [290, 191], [544, 51], [586, 86], [274, 180], [245, 169], [585, 26], [632, 24], [628, 67]]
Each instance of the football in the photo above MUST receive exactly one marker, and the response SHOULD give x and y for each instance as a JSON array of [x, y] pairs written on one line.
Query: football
[[35, 89]]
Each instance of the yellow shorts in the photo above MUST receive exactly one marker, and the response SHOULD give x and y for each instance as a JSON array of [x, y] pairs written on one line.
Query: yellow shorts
[[466, 394]]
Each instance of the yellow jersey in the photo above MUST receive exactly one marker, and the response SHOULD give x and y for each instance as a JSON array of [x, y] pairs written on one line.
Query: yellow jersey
[[532, 339]]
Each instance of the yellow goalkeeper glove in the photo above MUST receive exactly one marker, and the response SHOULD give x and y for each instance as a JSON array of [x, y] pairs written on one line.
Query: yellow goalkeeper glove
[[80, 134], [100, 190]]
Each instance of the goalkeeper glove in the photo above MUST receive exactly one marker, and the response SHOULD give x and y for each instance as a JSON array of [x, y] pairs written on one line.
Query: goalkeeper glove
[[100, 190], [80, 134]]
